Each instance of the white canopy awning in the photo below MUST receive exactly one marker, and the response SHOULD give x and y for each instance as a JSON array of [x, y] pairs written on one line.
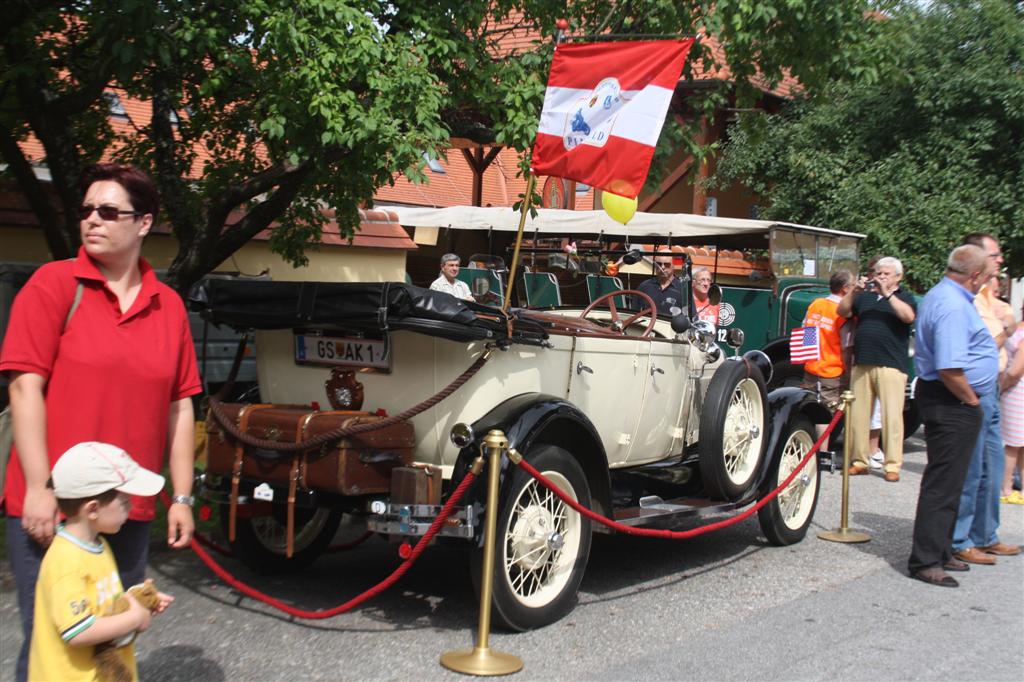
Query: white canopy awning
[[563, 222]]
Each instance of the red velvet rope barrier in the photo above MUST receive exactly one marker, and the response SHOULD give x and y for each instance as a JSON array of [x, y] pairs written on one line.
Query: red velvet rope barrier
[[446, 512], [355, 601], [693, 532]]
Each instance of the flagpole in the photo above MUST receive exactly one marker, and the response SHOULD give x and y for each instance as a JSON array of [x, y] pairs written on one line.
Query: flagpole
[[524, 209]]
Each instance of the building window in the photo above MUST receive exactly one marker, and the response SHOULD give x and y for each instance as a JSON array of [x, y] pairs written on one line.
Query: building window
[[114, 105]]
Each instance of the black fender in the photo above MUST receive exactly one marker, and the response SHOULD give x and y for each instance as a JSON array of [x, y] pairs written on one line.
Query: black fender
[[777, 350], [531, 418], [783, 405]]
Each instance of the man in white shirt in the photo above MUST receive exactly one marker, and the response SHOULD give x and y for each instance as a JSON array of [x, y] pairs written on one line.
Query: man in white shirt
[[447, 282]]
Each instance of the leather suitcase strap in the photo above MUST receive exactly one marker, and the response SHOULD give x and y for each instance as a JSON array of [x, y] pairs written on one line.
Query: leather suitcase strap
[[293, 480], [236, 469]]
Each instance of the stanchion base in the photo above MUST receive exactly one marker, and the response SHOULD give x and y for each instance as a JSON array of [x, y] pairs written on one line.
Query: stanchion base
[[844, 535], [479, 661]]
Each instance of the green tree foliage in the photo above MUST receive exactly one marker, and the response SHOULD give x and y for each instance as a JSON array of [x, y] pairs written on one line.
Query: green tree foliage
[[298, 105], [930, 151]]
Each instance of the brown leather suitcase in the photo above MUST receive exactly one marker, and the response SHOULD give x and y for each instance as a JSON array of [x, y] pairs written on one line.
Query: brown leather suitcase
[[357, 465]]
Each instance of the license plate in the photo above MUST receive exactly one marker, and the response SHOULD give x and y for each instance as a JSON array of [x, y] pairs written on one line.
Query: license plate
[[344, 351]]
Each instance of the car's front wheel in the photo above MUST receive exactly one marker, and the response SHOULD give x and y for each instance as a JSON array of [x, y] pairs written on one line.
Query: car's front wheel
[[542, 543], [786, 518], [733, 426]]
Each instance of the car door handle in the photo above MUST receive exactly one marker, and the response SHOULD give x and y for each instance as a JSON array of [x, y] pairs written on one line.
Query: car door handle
[[581, 368], [656, 370]]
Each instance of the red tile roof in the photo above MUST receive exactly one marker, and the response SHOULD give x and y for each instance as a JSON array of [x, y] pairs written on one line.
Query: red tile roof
[[501, 186]]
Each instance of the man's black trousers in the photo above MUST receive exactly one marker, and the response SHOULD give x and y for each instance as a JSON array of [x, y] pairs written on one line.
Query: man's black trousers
[[951, 431]]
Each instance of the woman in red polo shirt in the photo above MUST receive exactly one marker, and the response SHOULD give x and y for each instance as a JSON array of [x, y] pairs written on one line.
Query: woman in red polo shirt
[[121, 369]]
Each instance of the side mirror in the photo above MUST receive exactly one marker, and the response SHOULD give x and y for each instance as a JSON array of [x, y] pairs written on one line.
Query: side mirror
[[715, 294]]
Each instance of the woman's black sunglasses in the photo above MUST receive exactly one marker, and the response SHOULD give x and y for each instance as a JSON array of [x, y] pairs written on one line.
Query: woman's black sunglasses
[[105, 212]]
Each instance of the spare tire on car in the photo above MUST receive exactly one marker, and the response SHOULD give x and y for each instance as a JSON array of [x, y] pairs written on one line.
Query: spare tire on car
[[733, 429]]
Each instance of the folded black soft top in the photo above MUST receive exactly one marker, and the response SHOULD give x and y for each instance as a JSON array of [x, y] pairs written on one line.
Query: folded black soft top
[[345, 307]]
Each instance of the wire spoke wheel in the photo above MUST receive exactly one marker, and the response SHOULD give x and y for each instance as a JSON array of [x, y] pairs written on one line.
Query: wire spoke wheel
[[733, 430], [542, 543], [261, 542], [785, 519], [273, 534], [794, 499], [743, 434]]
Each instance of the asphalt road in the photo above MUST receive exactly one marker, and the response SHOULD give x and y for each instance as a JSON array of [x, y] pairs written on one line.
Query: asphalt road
[[724, 606]]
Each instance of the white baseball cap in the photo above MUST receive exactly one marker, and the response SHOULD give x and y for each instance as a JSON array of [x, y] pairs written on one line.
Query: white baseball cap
[[89, 469]]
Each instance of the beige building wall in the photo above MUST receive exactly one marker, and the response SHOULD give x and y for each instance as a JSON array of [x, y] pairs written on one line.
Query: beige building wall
[[328, 263]]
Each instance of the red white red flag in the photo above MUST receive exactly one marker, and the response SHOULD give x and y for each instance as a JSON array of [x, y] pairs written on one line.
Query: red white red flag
[[603, 111]]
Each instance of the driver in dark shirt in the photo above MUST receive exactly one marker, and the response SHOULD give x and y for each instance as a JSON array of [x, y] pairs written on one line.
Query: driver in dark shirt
[[665, 289]]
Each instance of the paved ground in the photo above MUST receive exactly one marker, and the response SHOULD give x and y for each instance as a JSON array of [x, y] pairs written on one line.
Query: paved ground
[[719, 607]]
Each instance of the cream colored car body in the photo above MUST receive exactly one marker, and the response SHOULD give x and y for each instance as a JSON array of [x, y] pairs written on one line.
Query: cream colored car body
[[636, 391]]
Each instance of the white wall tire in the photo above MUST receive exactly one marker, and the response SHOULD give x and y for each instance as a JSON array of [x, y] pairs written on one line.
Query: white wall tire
[[786, 518], [542, 544], [733, 430]]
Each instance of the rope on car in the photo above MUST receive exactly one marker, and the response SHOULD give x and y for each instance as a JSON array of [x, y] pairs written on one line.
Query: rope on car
[[252, 592], [217, 409], [672, 534]]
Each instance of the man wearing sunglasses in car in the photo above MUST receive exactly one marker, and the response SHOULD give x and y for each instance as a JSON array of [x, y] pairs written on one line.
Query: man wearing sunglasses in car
[[664, 288]]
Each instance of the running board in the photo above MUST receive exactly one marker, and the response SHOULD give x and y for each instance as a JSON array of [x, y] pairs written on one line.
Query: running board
[[658, 513]]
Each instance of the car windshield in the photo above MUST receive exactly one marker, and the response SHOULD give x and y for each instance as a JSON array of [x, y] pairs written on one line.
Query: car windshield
[[807, 254]]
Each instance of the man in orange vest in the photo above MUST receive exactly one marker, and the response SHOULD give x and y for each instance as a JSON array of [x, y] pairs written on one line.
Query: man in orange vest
[[827, 375]]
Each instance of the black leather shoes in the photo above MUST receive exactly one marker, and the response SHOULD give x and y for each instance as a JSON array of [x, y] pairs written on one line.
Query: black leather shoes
[[935, 576]]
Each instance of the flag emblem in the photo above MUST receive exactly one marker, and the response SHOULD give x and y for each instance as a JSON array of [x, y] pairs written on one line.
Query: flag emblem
[[604, 107], [592, 119], [804, 345]]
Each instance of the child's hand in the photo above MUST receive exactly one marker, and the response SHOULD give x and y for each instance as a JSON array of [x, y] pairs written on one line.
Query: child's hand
[[141, 613], [165, 601]]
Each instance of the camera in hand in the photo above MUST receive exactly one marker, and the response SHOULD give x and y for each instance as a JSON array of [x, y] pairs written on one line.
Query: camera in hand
[[872, 285]]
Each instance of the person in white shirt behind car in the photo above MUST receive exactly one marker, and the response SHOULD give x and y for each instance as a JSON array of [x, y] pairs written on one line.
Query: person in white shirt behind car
[[447, 282]]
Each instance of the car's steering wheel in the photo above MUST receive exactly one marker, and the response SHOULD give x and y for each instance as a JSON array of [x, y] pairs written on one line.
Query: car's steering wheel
[[647, 309]]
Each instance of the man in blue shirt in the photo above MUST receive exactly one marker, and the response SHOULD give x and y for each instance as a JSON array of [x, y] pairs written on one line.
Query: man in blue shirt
[[957, 364], [665, 289], [975, 535]]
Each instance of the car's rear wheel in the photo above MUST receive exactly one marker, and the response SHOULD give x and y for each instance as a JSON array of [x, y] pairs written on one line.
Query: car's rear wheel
[[733, 428], [261, 541], [542, 543], [786, 518]]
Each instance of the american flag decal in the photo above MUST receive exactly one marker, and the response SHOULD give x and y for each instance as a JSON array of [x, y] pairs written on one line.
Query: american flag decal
[[803, 345]]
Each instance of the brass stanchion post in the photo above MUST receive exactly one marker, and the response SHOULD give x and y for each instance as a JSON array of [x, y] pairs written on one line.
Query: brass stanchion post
[[481, 660], [843, 533]]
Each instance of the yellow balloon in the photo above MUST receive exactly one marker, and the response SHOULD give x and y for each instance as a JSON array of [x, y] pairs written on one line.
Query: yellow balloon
[[620, 209]]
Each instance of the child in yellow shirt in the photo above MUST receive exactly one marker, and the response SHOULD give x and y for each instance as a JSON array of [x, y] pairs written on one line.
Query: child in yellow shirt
[[78, 579]]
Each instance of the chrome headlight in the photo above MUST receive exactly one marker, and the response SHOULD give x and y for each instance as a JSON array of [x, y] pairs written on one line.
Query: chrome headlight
[[462, 435], [702, 335]]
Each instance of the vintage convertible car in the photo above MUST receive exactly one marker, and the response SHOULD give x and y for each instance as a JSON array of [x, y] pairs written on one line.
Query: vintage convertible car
[[643, 418]]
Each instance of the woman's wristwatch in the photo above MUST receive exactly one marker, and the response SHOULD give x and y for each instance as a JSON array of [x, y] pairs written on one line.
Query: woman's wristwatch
[[183, 499]]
